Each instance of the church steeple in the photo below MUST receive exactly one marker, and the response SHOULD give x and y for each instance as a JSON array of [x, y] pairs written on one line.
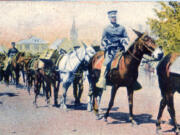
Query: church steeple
[[73, 33]]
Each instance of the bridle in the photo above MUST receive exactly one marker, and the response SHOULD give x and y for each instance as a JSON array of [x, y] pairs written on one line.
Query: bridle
[[144, 44]]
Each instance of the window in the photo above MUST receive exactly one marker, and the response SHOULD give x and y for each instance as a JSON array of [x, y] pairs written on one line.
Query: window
[[27, 47]]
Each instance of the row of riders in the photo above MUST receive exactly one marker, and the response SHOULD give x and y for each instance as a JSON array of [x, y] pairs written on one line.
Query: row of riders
[[114, 65]]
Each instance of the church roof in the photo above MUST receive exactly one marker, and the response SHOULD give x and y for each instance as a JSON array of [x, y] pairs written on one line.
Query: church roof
[[32, 40]]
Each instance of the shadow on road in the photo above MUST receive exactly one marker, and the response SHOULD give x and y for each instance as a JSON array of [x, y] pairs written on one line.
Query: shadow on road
[[81, 106], [121, 118], [10, 94]]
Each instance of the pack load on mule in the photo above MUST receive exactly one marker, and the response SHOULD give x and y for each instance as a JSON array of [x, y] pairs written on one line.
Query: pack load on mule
[[175, 67], [50, 54], [47, 74]]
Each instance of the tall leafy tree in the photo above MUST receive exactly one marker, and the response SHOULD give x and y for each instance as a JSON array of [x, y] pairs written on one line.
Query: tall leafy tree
[[166, 27]]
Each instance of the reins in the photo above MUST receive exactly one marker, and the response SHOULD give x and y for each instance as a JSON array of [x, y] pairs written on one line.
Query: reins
[[142, 42]]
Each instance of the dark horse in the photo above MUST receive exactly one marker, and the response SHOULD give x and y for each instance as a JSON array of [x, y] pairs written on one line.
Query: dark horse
[[169, 83], [2, 58], [13, 69], [16, 66], [125, 75], [47, 77]]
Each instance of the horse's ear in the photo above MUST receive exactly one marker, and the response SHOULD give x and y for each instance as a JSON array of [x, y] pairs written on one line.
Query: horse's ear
[[85, 46], [23, 54], [139, 34]]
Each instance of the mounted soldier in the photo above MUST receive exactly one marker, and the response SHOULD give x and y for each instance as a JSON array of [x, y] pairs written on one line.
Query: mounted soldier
[[114, 39], [11, 53]]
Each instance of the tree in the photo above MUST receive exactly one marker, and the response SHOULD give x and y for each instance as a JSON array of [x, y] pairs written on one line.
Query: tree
[[166, 27]]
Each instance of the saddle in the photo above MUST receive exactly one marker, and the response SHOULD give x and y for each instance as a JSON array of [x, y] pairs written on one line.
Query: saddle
[[114, 64]]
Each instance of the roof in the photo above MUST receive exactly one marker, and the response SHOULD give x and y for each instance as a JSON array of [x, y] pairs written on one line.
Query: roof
[[32, 40]]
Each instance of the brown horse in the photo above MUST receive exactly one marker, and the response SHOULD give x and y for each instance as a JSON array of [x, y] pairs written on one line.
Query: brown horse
[[125, 75], [13, 68], [3, 56], [27, 63], [47, 77], [169, 83], [16, 66]]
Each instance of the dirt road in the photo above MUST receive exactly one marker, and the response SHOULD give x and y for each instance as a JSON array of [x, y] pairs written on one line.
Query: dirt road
[[18, 116]]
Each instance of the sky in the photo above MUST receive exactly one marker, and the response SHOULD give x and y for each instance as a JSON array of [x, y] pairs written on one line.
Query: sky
[[51, 20]]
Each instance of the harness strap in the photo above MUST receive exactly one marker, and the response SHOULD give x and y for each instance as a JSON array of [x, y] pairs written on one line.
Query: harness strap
[[59, 59], [133, 56]]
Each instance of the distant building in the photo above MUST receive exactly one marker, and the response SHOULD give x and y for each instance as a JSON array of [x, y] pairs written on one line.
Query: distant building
[[32, 44]]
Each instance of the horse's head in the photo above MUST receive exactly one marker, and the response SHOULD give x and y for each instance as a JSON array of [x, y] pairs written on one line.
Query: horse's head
[[145, 43], [89, 52], [20, 57]]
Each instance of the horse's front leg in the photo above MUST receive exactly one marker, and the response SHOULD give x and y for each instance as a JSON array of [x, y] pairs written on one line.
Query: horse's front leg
[[90, 95], [63, 99], [37, 86], [56, 90], [17, 78], [130, 92], [111, 102], [48, 91]]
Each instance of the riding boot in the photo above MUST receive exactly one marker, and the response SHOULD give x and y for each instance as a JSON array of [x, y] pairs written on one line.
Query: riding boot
[[102, 79]]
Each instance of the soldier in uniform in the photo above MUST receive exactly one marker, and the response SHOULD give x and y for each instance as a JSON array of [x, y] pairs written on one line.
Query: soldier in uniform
[[11, 52], [114, 39]]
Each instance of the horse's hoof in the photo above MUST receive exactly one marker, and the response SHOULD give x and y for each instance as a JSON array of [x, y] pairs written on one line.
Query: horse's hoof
[[63, 106], [35, 104], [55, 105], [134, 123], [105, 119], [177, 131], [158, 131], [98, 117], [89, 108], [48, 102]]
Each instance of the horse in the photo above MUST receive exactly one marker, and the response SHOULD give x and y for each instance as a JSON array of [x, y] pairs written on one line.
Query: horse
[[46, 76], [125, 74], [3, 56], [29, 64], [169, 83], [12, 69], [69, 65], [16, 66]]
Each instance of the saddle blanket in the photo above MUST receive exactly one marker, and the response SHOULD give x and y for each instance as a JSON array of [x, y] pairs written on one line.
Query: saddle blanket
[[175, 67], [114, 64]]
